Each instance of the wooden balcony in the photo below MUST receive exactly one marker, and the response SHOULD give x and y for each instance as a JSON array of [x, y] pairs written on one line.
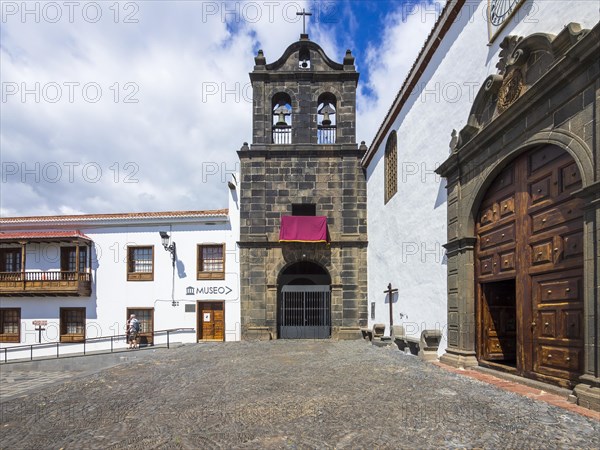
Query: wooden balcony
[[45, 284]]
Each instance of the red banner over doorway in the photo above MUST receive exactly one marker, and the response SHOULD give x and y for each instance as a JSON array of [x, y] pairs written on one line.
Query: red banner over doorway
[[303, 229]]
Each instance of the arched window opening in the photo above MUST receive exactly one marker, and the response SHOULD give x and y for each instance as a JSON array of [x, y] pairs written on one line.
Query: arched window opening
[[304, 58], [326, 119], [282, 118], [391, 166]]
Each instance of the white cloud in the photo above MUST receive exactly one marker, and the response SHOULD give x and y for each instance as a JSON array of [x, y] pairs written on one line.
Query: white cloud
[[145, 141], [175, 100], [403, 36]]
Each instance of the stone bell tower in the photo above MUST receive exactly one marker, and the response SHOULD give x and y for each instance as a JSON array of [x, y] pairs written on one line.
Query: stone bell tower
[[303, 236]]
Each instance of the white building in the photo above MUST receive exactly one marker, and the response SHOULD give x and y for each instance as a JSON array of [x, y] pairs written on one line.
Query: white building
[[518, 81], [81, 276]]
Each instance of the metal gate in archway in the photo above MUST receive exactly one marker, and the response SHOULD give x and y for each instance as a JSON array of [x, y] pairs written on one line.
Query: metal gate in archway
[[305, 312]]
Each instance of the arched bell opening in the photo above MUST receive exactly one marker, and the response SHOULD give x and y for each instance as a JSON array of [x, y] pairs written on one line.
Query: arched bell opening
[[281, 107], [326, 118]]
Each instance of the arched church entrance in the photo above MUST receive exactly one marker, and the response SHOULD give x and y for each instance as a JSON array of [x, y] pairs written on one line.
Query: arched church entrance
[[529, 269], [304, 302]]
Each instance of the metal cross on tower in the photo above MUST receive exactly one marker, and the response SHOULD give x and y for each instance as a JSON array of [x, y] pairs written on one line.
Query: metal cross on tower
[[303, 14]]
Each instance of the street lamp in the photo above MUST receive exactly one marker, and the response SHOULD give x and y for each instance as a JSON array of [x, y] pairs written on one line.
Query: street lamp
[[171, 248]]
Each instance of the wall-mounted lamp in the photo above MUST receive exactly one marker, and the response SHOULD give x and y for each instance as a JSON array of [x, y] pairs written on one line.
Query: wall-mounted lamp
[[233, 184], [171, 248]]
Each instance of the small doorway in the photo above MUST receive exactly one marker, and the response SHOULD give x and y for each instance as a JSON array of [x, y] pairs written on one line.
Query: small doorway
[[305, 312], [211, 321], [499, 340], [146, 318], [304, 298]]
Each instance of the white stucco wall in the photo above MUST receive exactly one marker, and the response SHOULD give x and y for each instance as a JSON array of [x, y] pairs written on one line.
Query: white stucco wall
[[406, 235], [112, 294]]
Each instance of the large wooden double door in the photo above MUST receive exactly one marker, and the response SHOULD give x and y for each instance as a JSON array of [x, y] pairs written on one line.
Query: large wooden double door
[[529, 268]]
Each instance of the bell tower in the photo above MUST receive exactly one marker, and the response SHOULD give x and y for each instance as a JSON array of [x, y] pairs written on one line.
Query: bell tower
[[303, 200]]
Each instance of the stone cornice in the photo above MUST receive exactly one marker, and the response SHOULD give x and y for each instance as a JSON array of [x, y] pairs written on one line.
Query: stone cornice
[[460, 245], [449, 166], [275, 244], [302, 150], [311, 77]]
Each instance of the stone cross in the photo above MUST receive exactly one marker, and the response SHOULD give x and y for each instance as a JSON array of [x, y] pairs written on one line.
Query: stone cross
[[391, 293], [303, 14]]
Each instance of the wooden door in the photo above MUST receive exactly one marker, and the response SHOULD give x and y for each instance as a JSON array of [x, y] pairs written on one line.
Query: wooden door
[[557, 325], [211, 321], [555, 256], [496, 271], [146, 318], [530, 230]]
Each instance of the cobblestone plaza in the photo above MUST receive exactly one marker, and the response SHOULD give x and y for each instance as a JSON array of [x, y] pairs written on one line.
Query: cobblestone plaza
[[278, 394]]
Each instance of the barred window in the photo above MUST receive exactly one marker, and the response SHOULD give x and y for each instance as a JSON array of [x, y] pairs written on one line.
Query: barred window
[[140, 263], [391, 166], [211, 261], [10, 325]]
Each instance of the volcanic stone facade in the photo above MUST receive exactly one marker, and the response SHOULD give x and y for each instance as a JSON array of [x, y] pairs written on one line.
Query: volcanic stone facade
[[303, 171]]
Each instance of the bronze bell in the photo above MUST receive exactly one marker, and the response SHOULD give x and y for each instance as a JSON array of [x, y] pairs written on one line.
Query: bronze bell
[[326, 110]]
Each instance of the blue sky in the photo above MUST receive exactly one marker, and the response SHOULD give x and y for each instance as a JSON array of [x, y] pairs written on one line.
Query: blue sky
[[141, 105]]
